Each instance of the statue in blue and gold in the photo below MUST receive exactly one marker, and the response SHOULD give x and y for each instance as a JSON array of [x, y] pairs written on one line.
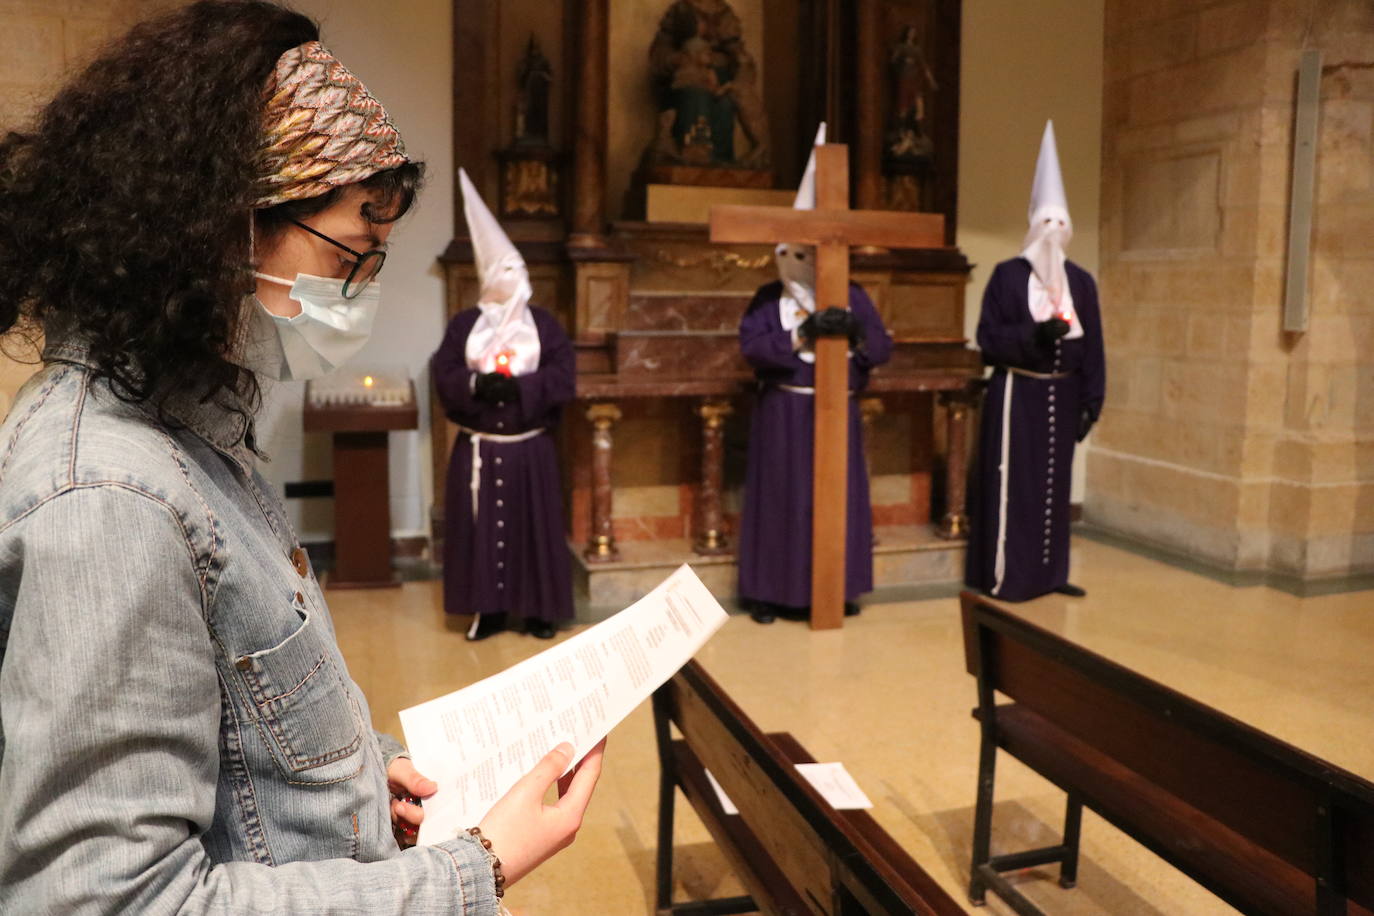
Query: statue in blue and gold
[[706, 82]]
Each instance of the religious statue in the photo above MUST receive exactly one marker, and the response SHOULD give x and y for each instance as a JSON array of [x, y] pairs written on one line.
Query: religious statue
[[908, 135], [529, 165], [706, 82], [532, 108]]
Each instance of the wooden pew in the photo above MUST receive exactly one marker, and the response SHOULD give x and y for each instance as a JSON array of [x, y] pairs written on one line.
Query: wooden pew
[[1263, 825], [794, 853]]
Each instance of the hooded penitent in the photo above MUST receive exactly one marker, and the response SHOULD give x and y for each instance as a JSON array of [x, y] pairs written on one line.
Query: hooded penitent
[[505, 338], [1051, 228], [797, 263]]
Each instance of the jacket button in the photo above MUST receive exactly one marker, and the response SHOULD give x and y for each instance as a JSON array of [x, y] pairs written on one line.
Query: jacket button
[[244, 663], [300, 599], [300, 561]]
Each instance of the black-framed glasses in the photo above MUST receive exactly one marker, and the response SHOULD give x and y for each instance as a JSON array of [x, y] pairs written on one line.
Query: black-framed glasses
[[366, 264]]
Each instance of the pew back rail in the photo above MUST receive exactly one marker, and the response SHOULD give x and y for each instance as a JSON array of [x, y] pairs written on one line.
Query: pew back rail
[[1270, 829], [793, 852]]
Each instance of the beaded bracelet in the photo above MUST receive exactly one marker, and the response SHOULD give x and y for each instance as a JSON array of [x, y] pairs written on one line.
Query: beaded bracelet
[[495, 862]]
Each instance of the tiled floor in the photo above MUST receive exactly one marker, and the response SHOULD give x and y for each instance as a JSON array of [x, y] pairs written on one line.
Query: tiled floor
[[889, 697]]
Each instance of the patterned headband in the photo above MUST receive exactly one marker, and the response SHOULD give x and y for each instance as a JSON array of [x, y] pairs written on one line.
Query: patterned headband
[[323, 129]]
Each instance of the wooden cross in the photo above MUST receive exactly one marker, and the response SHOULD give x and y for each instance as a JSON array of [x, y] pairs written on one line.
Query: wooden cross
[[832, 227]]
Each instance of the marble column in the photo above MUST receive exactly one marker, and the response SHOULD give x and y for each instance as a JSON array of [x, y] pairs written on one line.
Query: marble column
[[589, 146], [870, 409], [601, 544], [958, 408], [710, 540]]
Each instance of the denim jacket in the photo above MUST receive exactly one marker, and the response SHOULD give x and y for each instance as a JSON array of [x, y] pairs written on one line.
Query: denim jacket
[[178, 729]]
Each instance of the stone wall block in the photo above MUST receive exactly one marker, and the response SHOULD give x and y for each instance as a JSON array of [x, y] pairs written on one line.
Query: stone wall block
[[1206, 335], [1239, 232], [1162, 44], [1146, 385], [1231, 25], [31, 50], [1356, 293]]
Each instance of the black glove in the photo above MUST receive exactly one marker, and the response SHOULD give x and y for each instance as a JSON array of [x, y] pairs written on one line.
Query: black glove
[[856, 333], [1085, 423], [834, 322], [481, 386], [1047, 332], [493, 388], [506, 388], [831, 322]]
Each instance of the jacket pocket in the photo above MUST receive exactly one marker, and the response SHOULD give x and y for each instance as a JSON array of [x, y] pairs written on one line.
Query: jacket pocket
[[307, 713]]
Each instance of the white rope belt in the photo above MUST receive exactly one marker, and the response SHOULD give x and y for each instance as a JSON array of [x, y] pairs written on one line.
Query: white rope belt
[[475, 482], [1043, 376], [794, 389]]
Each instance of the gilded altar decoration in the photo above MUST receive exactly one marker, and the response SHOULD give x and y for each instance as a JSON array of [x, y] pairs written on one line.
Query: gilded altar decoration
[[721, 263], [706, 83], [529, 166]]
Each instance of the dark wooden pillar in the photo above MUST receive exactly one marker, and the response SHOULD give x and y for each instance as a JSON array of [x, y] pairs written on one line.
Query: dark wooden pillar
[[477, 81], [710, 540], [601, 543], [868, 137], [958, 409], [589, 126]]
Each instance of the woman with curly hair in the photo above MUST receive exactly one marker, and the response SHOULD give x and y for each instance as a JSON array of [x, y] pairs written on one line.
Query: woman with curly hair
[[204, 207]]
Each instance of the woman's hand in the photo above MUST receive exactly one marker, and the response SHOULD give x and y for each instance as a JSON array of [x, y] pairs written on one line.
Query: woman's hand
[[523, 830], [407, 788]]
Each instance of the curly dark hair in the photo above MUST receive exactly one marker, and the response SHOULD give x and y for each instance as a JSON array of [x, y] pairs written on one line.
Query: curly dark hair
[[126, 209]]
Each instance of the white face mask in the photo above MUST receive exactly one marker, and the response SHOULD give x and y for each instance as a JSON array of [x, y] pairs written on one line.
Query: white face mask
[[328, 332]]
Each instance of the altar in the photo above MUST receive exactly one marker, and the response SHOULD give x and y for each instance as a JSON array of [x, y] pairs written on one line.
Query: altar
[[653, 448]]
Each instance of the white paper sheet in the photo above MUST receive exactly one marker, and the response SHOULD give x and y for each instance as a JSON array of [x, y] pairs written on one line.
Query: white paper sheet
[[477, 742], [724, 799], [832, 780], [835, 784]]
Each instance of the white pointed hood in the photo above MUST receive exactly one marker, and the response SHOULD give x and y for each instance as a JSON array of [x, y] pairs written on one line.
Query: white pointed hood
[[797, 263], [1051, 229], [806, 191], [505, 334]]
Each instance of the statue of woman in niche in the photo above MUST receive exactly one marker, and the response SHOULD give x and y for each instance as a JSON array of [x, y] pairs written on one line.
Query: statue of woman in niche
[[908, 133], [705, 82], [532, 107]]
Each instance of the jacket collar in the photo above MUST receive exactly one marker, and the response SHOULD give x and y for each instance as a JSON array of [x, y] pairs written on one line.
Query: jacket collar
[[225, 421]]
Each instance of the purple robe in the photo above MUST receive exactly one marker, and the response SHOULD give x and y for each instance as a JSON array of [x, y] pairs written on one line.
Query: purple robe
[[1019, 520], [775, 528], [513, 558]]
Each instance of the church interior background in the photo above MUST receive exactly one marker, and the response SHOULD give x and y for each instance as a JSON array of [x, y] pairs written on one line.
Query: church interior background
[[1234, 462]]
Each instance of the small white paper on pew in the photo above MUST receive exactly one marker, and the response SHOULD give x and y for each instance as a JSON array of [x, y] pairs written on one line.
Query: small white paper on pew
[[835, 784], [832, 780], [477, 742], [724, 799]]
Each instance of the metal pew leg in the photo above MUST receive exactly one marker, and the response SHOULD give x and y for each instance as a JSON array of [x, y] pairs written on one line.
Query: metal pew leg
[[667, 796], [1073, 826], [982, 820]]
